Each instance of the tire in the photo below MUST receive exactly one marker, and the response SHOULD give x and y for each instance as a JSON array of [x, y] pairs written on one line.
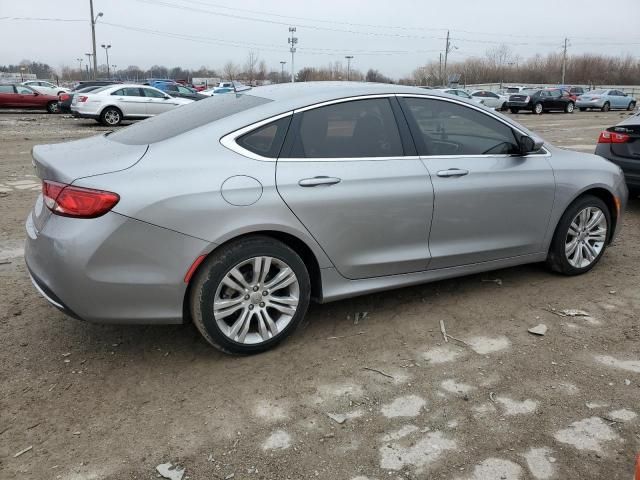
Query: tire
[[235, 264], [569, 107], [52, 107], [560, 258], [111, 117], [514, 110], [632, 105], [583, 109], [538, 109], [606, 107]]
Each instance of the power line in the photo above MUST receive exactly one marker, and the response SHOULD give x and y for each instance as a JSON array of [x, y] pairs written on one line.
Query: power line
[[42, 19]]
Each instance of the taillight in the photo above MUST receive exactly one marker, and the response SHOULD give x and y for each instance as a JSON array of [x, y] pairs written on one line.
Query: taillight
[[78, 202], [63, 97], [613, 137], [82, 98]]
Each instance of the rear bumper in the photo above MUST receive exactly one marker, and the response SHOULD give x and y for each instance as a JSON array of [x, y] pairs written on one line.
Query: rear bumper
[[85, 115], [630, 167], [111, 269], [520, 105]]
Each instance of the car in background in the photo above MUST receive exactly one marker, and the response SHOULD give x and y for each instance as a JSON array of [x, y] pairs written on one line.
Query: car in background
[[606, 99], [65, 99], [93, 83], [459, 92], [235, 212], [179, 91], [621, 145], [112, 104], [45, 87], [539, 100], [216, 91], [515, 89], [21, 96], [491, 99], [577, 91]]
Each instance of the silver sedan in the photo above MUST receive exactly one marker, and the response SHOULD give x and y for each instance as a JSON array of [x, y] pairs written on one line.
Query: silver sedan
[[235, 212]]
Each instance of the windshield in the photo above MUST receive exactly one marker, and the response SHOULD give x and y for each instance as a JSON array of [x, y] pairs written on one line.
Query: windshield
[[530, 91], [185, 118]]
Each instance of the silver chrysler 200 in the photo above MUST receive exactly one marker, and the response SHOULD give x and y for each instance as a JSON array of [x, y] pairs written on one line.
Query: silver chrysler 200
[[236, 211]]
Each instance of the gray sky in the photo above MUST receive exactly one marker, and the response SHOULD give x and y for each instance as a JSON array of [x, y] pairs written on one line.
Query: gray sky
[[219, 30]]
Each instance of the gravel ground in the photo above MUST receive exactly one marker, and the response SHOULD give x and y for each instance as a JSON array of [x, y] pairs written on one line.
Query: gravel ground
[[107, 402]]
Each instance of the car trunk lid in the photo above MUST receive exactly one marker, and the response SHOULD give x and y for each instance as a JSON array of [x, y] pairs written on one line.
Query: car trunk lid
[[631, 147]]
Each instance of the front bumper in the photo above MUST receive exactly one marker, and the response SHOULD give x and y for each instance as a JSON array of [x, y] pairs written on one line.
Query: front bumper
[[111, 269]]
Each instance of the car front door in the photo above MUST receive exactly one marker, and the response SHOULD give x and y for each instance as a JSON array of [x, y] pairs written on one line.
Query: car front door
[[158, 102], [350, 173], [490, 203], [27, 97], [131, 101], [619, 100]]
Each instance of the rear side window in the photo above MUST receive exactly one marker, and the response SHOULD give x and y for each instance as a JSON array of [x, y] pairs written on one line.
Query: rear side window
[[360, 128], [180, 120], [126, 92], [149, 92], [447, 128], [6, 88], [267, 140]]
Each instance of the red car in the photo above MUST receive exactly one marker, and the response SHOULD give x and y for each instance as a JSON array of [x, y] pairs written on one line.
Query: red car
[[21, 96]]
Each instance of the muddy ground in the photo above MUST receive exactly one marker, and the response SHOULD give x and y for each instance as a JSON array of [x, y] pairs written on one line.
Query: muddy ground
[[106, 402]]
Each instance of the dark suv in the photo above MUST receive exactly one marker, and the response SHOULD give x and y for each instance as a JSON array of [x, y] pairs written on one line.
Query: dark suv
[[541, 100]]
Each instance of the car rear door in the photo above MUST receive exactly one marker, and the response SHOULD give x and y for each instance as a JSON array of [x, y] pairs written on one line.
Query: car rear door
[[490, 204], [350, 173], [131, 101], [7, 96]]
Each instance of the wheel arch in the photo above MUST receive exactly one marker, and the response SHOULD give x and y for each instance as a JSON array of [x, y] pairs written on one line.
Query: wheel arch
[[111, 106]]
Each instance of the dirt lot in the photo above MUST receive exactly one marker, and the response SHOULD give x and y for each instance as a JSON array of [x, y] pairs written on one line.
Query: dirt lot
[[105, 402]]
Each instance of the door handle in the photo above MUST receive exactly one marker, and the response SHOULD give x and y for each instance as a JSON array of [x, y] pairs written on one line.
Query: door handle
[[453, 172], [317, 181]]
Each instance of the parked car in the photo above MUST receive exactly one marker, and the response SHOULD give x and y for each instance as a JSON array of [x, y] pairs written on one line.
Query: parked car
[[515, 89], [461, 93], [541, 100], [114, 103], [66, 99], [491, 99], [605, 100], [621, 145], [20, 96], [47, 88], [93, 83], [577, 91], [186, 216], [179, 91], [216, 91]]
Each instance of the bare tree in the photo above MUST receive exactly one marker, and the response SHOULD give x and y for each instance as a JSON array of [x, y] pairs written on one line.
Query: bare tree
[[250, 66], [230, 71], [262, 71]]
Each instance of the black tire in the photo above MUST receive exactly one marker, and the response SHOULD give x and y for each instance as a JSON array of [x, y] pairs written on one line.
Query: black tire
[[538, 109], [214, 269], [606, 107], [569, 107], [583, 109], [52, 107], [557, 258], [111, 117], [631, 106], [514, 110]]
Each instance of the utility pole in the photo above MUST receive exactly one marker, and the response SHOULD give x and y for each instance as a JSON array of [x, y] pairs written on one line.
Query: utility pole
[[440, 70], [293, 40], [446, 57], [564, 59], [79, 60], [88, 55], [93, 37], [106, 50], [349, 58], [282, 64]]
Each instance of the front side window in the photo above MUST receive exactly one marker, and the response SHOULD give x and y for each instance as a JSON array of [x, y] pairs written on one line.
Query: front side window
[[447, 128], [127, 92], [149, 92], [267, 140], [359, 128], [25, 90]]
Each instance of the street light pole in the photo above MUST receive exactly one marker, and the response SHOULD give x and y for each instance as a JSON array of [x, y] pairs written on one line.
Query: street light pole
[[106, 51], [79, 60], [282, 64], [88, 55], [349, 58], [293, 40], [93, 37]]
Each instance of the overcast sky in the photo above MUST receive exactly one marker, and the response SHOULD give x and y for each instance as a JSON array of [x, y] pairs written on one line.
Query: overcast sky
[[392, 36]]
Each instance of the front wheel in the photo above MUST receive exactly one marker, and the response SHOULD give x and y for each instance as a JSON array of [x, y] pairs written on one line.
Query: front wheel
[[606, 107], [581, 236], [583, 109], [631, 106], [514, 110], [537, 108], [569, 107], [250, 295]]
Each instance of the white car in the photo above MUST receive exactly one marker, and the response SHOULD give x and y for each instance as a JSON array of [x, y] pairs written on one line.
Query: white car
[[112, 104], [491, 99], [47, 88], [461, 93]]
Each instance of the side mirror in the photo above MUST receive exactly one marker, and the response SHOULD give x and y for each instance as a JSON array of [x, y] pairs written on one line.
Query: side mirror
[[167, 97], [529, 145]]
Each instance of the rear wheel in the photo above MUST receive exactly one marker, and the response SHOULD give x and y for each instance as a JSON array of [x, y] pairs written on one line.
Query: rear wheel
[[537, 108], [514, 110], [569, 107], [52, 107], [631, 106], [606, 107], [581, 236], [111, 117], [250, 295], [583, 109]]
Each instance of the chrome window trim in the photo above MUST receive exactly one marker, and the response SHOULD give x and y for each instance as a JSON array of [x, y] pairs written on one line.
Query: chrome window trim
[[229, 140]]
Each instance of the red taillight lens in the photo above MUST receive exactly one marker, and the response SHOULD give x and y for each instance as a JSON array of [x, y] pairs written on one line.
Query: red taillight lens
[[78, 202], [63, 97], [82, 98], [613, 137]]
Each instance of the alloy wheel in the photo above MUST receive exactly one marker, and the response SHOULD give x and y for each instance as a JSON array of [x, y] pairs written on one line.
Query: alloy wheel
[[112, 117], [586, 237], [256, 300], [538, 108]]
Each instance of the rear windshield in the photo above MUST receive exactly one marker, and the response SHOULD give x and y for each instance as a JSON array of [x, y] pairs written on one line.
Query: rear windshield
[[185, 118], [597, 92]]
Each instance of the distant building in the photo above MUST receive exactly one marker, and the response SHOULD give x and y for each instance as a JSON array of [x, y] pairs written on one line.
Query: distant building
[[17, 77]]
